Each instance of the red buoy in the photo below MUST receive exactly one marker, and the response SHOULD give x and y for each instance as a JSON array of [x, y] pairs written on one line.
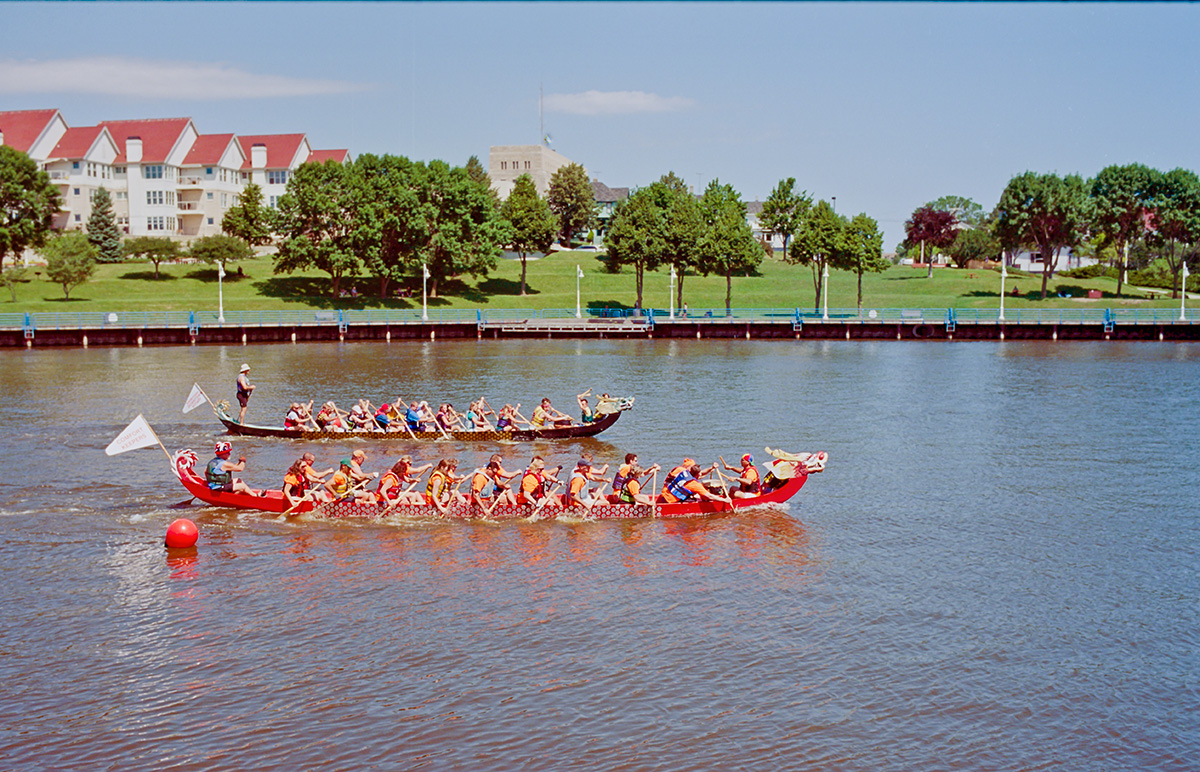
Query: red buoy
[[182, 533]]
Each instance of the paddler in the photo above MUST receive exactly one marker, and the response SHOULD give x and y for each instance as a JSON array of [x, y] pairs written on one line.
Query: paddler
[[483, 486], [630, 489], [342, 486], [219, 472], [578, 494], [686, 486], [687, 464], [533, 484], [748, 479], [438, 491], [502, 489], [545, 413], [301, 481], [357, 459], [244, 390], [391, 488]]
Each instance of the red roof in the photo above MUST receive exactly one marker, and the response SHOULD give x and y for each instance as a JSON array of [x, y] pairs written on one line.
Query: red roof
[[158, 136], [75, 143], [321, 156], [22, 127], [281, 149], [208, 149]]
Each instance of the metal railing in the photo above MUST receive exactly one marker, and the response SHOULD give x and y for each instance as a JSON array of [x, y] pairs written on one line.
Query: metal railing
[[48, 320]]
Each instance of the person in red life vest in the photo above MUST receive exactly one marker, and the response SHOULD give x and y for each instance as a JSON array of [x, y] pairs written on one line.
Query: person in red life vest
[[392, 484], [535, 484], [329, 419], [749, 482], [686, 486], [630, 475], [219, 472], [439, 491]]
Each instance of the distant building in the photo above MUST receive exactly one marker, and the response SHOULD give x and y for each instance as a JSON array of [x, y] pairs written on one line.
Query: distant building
[[165, 178], [507, 162], [606, 204]]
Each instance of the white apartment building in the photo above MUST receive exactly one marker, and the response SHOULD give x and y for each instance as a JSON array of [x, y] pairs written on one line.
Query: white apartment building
[[165, 178], [507, 162]]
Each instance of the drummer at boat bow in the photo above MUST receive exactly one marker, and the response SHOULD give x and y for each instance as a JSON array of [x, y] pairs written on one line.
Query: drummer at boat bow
[[748, 479], [219, 472], [244, 390]]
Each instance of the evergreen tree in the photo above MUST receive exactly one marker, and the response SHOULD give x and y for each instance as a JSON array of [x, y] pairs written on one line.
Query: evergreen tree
[[102, 230], [248, 219]]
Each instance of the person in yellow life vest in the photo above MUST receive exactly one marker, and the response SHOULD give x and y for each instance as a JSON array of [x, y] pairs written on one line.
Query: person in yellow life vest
[[748, 479], [545, 413], [534, 484], [630, 476], [439, 491], [342, 486], [686, 486]]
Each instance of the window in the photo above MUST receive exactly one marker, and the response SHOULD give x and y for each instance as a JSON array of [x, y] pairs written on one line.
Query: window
[[154, 172], [77, 191], [75, 165], [274, 201], [503, 165], [526, 164], [224, 199], [77, 218], [154, 197], [277, 177], [209, 195], [119, 169], [121, 195], [171, 197], [210, 221], [208, 171]]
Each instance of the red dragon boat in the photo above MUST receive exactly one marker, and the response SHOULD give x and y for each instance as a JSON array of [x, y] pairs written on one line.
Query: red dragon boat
[[786, 477], [575, 430]]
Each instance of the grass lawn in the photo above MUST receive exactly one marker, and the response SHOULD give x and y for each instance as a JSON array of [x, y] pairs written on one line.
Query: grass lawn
[[551, 284]]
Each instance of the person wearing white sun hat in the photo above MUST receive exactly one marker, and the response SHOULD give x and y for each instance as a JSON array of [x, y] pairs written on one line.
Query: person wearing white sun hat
[[244, 389]]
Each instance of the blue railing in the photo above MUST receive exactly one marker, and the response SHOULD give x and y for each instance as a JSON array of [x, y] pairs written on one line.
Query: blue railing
[[484, 317]]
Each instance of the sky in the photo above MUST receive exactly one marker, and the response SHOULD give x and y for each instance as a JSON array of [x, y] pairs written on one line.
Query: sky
[[881, 106]]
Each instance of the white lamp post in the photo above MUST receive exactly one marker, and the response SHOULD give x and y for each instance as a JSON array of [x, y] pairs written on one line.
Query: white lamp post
[[221, 291], [424, 293], [1003, 276], [672, 290], [1183, 294], [825, 293], [578, 276]]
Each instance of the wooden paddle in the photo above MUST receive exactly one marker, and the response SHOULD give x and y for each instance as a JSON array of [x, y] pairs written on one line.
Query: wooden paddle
[[320, 508], [537, 509], [728, 498], [392, 506]]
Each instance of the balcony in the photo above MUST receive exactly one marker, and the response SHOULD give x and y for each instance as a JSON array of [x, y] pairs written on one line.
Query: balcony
[[188, 207], [60, 175], [191, 182]]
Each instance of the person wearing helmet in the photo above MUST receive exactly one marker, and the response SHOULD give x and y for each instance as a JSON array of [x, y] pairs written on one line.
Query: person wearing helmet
[[244, 390], [747, 478], [219, 472]]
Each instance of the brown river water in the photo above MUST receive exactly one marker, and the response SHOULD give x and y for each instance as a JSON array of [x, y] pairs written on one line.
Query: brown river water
[[997, 570]]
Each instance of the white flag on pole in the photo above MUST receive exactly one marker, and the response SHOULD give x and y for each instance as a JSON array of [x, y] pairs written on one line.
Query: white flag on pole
[[195, 399], [137, 435], [579, 272], [425, 268], [220, 270], [1185, 274]]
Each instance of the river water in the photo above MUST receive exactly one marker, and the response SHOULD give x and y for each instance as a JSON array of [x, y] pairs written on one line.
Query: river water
[[997, 571]]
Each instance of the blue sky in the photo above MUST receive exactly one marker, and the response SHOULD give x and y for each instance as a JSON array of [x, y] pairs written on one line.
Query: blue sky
[[882, 105]]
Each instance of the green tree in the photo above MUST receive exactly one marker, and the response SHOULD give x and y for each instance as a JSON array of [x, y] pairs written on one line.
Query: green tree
[[70, 260], [533, 224], [1044, 211], [156, 249], [820, 242], [102, 229], [973, 244], [684, 225], [929, 227], [864, 245], [248, 219], [573, 201], [28, 203], [463, 230], [1176, 208], [314, 223], [727, 245], [784, 211], [11, 276], [1120, 198], [220, 249], [636, 237], [962, 208], [388, 223]]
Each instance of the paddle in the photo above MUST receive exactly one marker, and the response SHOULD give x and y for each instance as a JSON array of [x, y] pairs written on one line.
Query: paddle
[[537, 509], [598, 496], [393, 505], [728, 498], [404, 421], [320, 508]]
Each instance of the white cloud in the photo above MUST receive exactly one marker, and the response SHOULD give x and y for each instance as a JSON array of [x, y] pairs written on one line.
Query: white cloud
[[615, 103], [148, 79]]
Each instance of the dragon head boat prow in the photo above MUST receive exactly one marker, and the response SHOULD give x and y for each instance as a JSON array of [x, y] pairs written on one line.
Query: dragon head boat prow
[[790, 464]]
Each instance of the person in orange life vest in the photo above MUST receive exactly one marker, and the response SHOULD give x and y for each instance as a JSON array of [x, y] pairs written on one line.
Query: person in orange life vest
[[438, 490], [342, 486], [391, 488], [533, 483], [687, 487], [219, 472], [630, 489], [483, 486], [244, 390], [577, 494], [687, 464], [748, 478], [545, 413], [501, 482]]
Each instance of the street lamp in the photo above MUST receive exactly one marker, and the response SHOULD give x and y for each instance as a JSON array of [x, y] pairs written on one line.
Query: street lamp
[[825, 293], [1183, 294], [672, 291], [578, 276], [1003, 276], [424, 293], [221, 291]]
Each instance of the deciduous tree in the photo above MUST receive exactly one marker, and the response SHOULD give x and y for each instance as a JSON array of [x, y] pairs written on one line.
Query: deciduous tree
[[156, 249], [636, 237], [1176, 219], [220, 249], [1044, 211], [70, 260], [1120, 200], [27, 203], [973, 244], [314, 224], [248, 219], [864, 248], [965, 210], [102, 230], [572, 201], [464, 231], [533, 224], [388, 222], [930, 227], [819, 242], [784, 211], [727, 245]]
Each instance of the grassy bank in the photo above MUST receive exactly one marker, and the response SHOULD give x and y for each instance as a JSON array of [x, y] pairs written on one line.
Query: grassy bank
[[551, 284]]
